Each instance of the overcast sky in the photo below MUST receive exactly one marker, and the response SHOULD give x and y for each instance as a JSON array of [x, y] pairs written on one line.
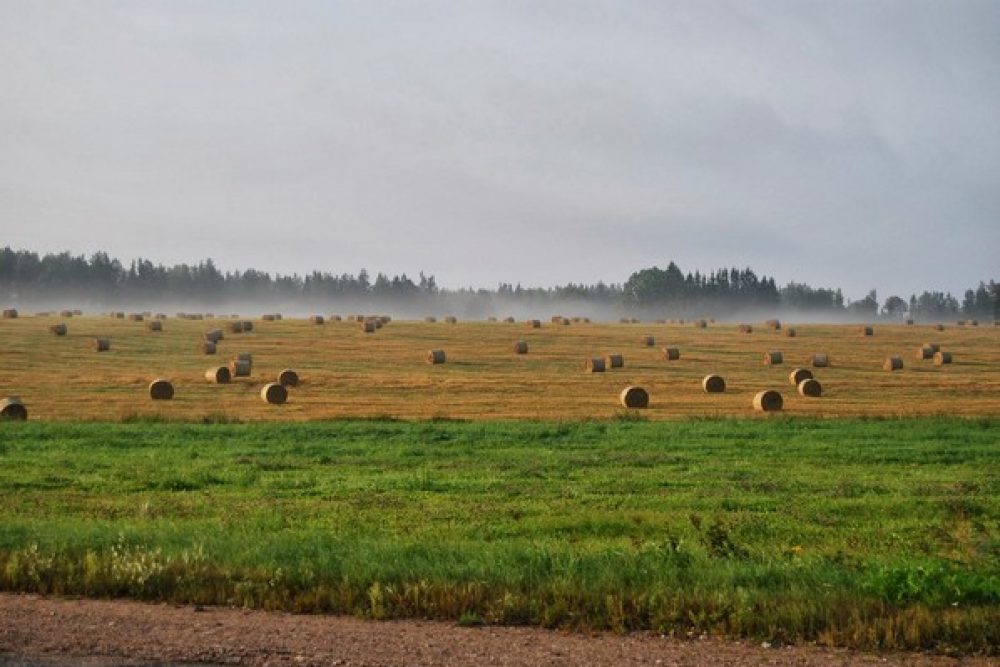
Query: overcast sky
[[851, 144]]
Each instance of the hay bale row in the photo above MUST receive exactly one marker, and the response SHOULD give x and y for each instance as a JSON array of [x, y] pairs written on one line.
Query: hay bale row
[[634, 398], [12, 408]]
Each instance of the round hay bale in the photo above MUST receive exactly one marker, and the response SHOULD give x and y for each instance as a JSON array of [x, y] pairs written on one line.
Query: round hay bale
[[154, 325], [973, 323], [206, 347], [491, 318], [435, 357], [810, 387], [564, 322], [534, 324], [635, 320], [634, 398], [867, 331], [700, 324], [509, 320], [161, 390], [819, 360], [335, 318], [960, 323], [909, 322], [267, 318], [219, 375], [12, 408], [595, 365], [135, 317], [713, 384], [941, 358], [773, 357], [317, 319], [288, 378], [925, 351], [101, 344], [614, 361], [78, 313], [671, 353], [10, 314], [368, 326], [520, 347], [798, 375], [119, 316], [236, 327], [239, 368], [377, 321], [648, 341], [938, 327], [58, 329], [623, 320], [274, 393], [66, 313], [213, 335], [247, 326], [746, 328], [790, 332], [773, 324], [451, 319], [768, 401], [892, 364], [277, 316], [430, 319], [586, 320]]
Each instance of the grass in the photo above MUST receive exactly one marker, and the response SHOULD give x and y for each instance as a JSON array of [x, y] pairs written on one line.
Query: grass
[[873, 533], [346, 373]]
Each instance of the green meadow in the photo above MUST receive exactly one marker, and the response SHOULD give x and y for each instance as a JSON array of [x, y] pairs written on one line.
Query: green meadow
[[866, 532]]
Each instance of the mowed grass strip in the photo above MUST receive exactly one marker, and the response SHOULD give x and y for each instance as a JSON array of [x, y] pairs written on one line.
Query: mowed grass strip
[[347, 373], [867, 533]]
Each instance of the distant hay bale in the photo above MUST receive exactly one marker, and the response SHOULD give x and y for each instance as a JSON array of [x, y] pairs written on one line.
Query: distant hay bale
[[235, 327], [435, 357], [520, 347], [773, 357], [335, 318], [713, 384], [819, 360], [746, 328], [288, 378], [119, 315], [534, 324], [491, 318], [267, 318], [135, 317], [768, 401], [623, 320], [10, 313], [671, 353], [586, 320], [77, 313], [634, 397], [247, 326], [213, 335], [973, 323], [700, 324], [368, 326], [12, 408], [909, 322], [790, 332], [810, 387], [595, 365], [240, 368], [577, 320], [161, 390], [798, 375], [359, 318], [451, 319], [277, 316], [925, 351], [154, 325], [384, 319], [274, 393], [218, 375], [614, 361], [648, 341], [160, 316], [58, 329], [430, 319], [557, 319], [564, 322], [773, 324], [66, 313], [960, 323], [317, 319], [680, 321], [938, 327], [509, 320], [867, 331], [633, 320], [941, 358], [101, 344], [892, 364], [206, 347]]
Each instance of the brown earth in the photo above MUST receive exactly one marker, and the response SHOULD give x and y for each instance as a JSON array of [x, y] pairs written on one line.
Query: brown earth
[[43, 632]]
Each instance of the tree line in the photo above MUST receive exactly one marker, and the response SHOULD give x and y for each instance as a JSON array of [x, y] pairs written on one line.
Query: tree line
[[27, 277]]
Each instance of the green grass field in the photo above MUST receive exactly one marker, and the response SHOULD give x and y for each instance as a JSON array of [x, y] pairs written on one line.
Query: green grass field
[[867, 533]]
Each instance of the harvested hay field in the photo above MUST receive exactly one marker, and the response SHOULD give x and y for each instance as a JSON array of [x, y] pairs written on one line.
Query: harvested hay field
[[352, 374]]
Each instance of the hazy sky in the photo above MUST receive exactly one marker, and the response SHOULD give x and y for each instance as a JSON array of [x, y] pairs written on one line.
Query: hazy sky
[[851, 144]]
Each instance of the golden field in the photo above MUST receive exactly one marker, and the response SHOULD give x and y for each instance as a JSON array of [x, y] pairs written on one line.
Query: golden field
[[348, 373]]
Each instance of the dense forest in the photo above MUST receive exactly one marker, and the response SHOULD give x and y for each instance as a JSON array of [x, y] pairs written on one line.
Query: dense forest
[[101, 281]]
